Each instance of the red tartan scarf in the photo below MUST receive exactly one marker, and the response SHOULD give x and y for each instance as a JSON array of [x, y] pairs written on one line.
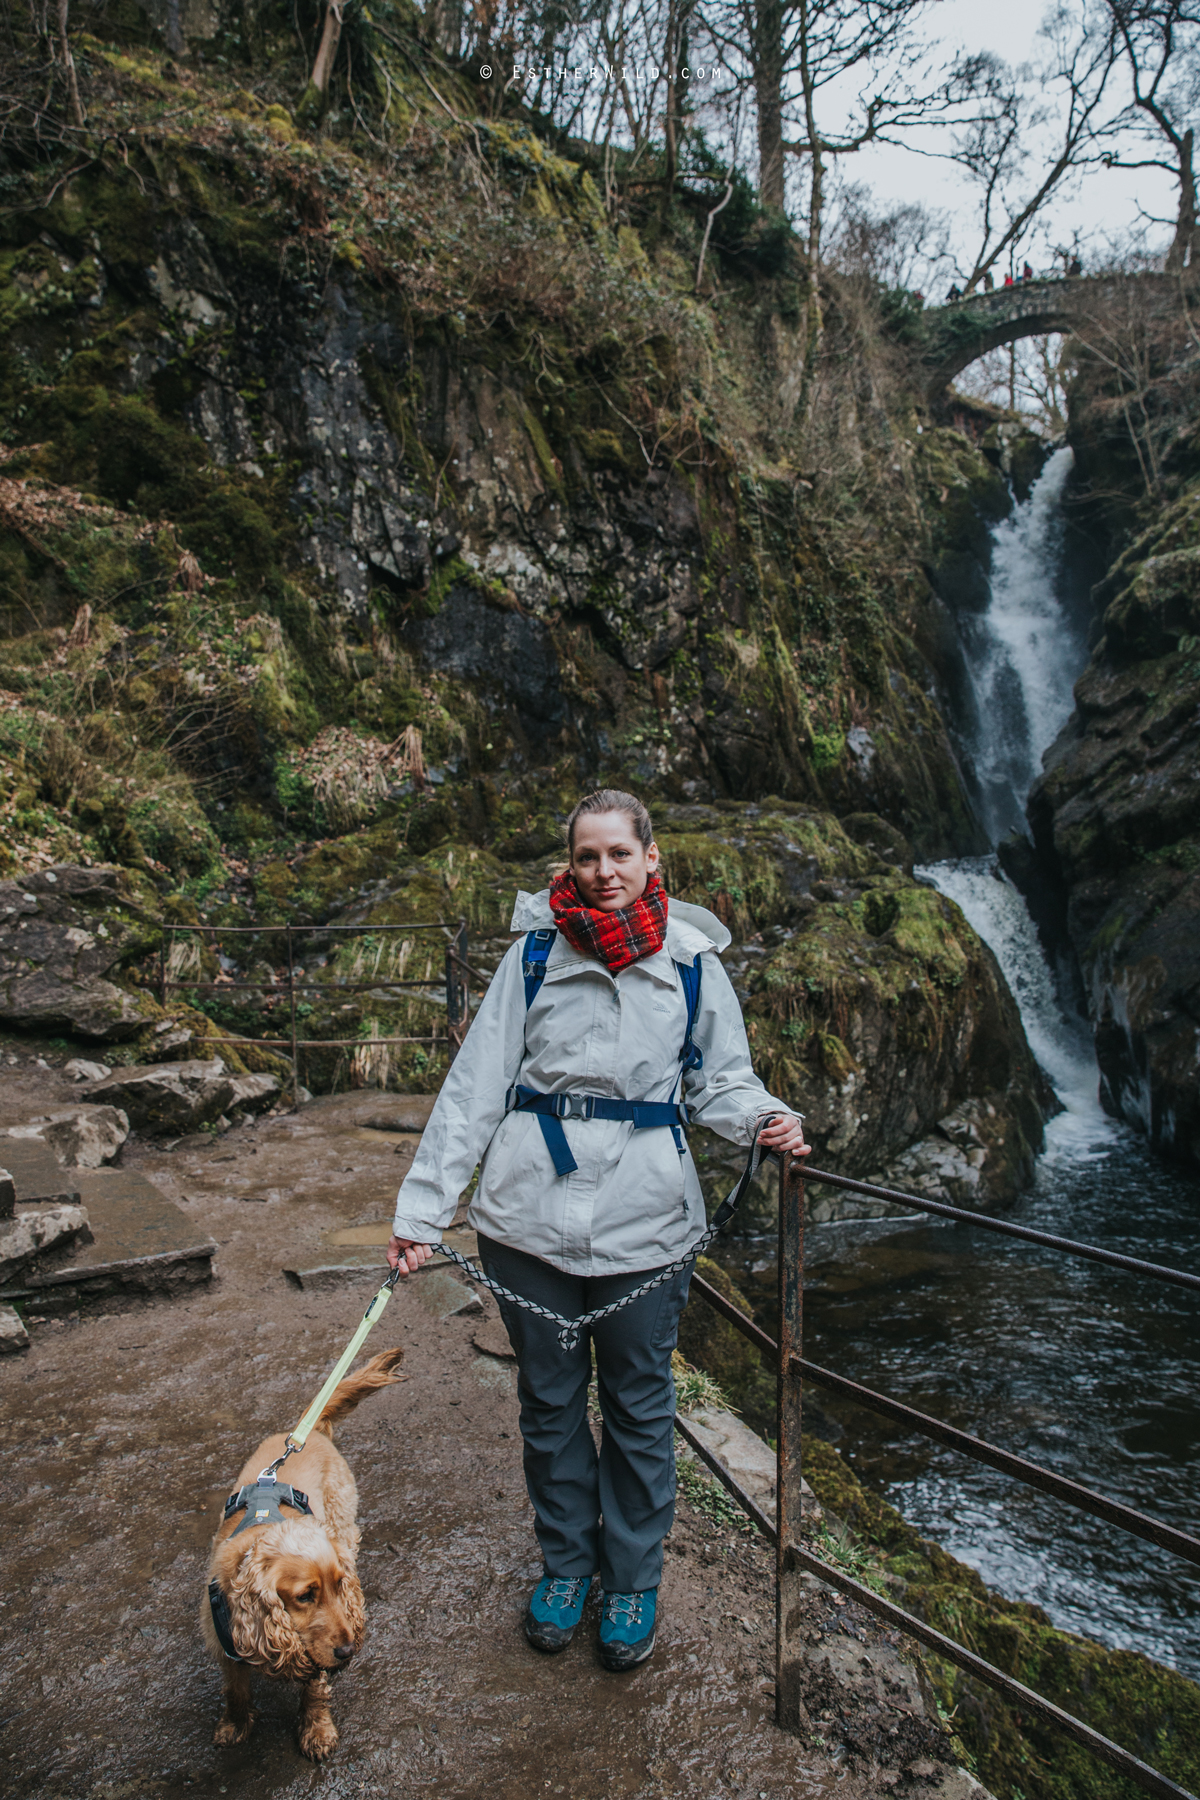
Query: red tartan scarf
[[614, 938]]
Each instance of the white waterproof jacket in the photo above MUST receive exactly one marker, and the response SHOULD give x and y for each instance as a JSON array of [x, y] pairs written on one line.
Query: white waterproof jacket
[[634, 1202]]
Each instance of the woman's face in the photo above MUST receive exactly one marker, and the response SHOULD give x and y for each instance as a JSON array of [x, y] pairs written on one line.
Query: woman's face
[[610, 866]]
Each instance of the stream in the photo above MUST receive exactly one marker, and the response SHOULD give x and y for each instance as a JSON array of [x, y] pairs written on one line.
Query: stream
[[1087, 1370]]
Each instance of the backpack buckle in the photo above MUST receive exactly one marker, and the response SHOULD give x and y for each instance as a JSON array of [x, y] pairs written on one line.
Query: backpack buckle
[[573, 1106]]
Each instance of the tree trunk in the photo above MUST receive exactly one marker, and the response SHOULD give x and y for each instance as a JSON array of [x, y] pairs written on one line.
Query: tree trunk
[[1185, 226], [768, 94], [671, 113], [176, 43], [74, 103], [316, 95], [814, 321]]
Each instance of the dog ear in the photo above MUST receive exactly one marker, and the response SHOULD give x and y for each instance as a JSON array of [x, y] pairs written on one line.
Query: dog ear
[[352, 1603], [262, 1622]]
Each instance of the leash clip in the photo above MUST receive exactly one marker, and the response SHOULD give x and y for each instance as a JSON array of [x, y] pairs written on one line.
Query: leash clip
[[289, 1449]]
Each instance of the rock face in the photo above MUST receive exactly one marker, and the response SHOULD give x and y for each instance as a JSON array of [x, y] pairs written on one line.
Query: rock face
[[172, 1098], [870, 1003], [62, 932], [85, 1137], [1116, 820]]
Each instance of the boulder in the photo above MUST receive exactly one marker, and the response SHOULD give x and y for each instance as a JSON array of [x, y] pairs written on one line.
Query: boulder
[[83, 1137], [173, 1098], [13, 1335], [30, 1233], [62, 931]]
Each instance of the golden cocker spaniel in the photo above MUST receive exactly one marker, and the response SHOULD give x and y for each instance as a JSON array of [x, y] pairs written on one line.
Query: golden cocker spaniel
[[283, 1598]]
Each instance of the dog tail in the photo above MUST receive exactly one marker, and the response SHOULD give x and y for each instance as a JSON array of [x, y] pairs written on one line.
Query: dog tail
[[346, 1395]]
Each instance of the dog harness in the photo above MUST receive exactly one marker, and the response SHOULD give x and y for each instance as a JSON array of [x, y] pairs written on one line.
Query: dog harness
[[552, 1109], [261, 1500]]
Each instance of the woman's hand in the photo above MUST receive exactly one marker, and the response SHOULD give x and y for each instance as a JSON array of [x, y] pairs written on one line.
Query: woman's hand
[[785, 1134], [406, 1256]]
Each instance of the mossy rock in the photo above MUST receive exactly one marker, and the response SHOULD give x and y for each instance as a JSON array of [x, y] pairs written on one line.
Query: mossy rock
[[1149, 1709], [711, 1343]]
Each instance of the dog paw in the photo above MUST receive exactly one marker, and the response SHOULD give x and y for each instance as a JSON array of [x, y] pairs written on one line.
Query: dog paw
[[318, 1739], [230, 1732]]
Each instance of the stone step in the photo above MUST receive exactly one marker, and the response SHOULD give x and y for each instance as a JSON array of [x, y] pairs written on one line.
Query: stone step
[[141, 1243], [37, 1177]]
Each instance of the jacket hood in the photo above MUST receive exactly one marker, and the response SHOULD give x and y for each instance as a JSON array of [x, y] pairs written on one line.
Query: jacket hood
[[690, 929]]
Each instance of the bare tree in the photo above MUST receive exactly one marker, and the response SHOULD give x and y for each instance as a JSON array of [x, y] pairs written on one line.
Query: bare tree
[[1012, 111], [1159, 44]]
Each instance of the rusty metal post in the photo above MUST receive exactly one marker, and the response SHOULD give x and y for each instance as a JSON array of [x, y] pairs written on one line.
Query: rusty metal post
[[462, 963], [788, 1575], [292, 998], [451, 996]]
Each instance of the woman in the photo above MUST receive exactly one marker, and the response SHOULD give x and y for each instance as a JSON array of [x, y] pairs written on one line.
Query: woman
[[574, 1211]]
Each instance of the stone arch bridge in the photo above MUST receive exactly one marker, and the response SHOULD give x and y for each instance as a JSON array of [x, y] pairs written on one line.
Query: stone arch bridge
[[964, 330]]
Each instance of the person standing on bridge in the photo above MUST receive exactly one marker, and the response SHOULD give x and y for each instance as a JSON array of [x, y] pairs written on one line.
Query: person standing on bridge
[[989, 281], [616, 996]]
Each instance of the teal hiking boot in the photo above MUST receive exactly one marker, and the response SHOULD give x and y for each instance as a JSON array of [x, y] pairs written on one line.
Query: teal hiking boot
[[627, 1628], [555, 1609]]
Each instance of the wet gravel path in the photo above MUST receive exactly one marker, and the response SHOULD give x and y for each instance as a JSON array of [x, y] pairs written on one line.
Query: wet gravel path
[[121, 1436]]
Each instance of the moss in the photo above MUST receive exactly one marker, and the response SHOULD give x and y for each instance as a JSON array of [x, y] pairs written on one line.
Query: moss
[[547, 462], [717, 1347]]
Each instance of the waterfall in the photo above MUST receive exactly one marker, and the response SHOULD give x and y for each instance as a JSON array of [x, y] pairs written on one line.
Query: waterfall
[[993, 907], [1022, 653]]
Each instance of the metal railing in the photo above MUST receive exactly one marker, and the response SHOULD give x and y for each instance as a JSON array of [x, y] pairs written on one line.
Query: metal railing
[[453, 985], [794, 1558]]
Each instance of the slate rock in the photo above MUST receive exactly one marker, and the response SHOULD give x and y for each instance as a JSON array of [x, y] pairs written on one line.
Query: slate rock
[[13, 1335], [173, 1098], [30, 1233], [79, 1070], [83, 1137]]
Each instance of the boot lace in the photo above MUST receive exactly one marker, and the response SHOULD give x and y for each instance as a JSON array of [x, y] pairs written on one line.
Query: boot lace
[[563, 1591], [623, 1609]]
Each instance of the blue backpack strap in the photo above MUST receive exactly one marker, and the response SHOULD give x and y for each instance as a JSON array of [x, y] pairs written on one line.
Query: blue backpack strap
[[690, 1055], [689, 974], [538, 946]]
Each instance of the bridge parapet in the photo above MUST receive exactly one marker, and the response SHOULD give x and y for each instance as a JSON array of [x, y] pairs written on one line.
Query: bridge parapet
[[960, 332]]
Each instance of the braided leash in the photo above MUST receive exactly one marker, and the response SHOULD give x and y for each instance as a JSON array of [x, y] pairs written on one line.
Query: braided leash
[[570, 1330]]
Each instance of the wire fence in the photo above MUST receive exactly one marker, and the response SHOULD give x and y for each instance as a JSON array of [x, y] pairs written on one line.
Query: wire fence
[[450, 989]]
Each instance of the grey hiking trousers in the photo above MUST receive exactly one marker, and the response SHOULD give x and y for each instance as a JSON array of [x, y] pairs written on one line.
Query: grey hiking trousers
[[608, 1511]]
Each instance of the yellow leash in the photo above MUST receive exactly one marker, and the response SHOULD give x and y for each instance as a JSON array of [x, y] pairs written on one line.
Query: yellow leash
[[298, 1437]]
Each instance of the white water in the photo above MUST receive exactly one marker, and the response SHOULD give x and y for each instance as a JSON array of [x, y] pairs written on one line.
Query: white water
[[995, 909], [1022, 654]]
